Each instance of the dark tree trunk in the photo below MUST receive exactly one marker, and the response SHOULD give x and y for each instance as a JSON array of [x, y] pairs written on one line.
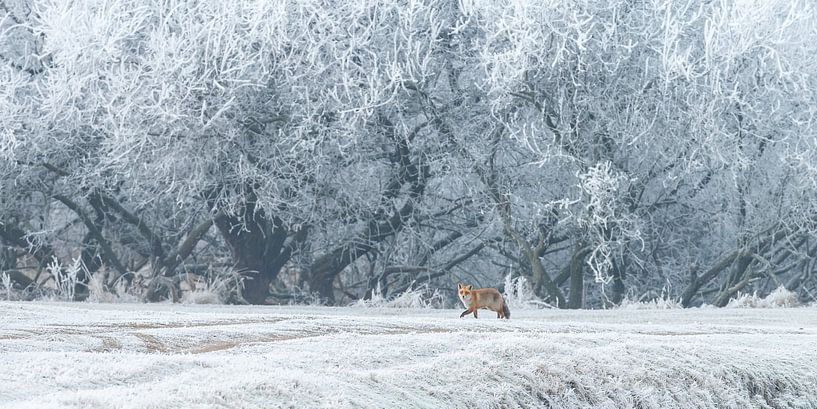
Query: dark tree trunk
[[574, 300], [259, 247], [253, 242], [543, 285], [618, 289], [8, 258]]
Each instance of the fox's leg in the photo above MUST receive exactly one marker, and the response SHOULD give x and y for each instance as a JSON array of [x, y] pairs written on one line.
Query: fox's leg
[[466, 312], [475, 313], [499, 314]]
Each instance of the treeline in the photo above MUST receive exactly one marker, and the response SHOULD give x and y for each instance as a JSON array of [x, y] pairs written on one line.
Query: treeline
[[332, 149]]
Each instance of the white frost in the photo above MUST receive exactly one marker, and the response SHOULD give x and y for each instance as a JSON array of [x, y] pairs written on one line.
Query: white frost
[[59, 355]]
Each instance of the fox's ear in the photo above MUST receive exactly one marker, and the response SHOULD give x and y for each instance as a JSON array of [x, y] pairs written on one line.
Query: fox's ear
[[470, 287], [459, 285]]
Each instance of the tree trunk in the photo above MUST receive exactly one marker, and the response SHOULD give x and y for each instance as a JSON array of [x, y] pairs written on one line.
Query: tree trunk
[[259, 247], [255, 243], [541, 279], [574, 301], [8, 258], [617, 289]]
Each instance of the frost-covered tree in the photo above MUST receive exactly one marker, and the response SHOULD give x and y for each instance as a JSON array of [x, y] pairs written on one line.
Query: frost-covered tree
[[596, 147], [276, 121], [663, 120]]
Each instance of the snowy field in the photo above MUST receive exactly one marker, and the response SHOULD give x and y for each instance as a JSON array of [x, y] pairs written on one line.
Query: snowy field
[[56, 355]]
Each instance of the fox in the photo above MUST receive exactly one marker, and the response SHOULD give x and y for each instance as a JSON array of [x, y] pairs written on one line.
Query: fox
[[487, 298]]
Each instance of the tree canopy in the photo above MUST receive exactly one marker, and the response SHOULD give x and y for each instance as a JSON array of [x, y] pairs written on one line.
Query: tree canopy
[[331, 149]]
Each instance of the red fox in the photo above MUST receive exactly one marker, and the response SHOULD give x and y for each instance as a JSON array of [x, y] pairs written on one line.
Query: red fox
[[487, 298]]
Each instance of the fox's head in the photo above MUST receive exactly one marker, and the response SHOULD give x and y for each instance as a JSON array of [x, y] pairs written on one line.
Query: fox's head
[[464, 290]]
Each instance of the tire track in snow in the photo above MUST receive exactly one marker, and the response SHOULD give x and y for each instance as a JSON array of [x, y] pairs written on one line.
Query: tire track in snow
[[109, 344], [152, 343]]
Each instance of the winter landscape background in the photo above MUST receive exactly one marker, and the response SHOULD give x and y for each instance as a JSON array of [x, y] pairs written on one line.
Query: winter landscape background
[[335, 158], [320, 150]]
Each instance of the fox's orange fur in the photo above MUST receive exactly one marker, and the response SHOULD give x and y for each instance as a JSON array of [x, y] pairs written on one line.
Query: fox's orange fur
[[487, 298]]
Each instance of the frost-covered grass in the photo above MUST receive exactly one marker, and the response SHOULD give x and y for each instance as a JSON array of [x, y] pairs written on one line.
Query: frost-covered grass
[[519, 294], [86, 355], [654, 304], [779, 298], [421, 297]]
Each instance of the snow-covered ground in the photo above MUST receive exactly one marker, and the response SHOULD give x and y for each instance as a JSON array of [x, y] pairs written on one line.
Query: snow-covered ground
[[55, 355]]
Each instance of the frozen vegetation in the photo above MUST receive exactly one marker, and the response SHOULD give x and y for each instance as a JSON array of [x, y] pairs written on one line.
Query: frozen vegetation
[[273, 151], [86, 355]]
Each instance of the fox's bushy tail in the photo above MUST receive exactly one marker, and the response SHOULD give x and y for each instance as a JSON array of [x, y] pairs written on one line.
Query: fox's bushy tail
[[505, 311]]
